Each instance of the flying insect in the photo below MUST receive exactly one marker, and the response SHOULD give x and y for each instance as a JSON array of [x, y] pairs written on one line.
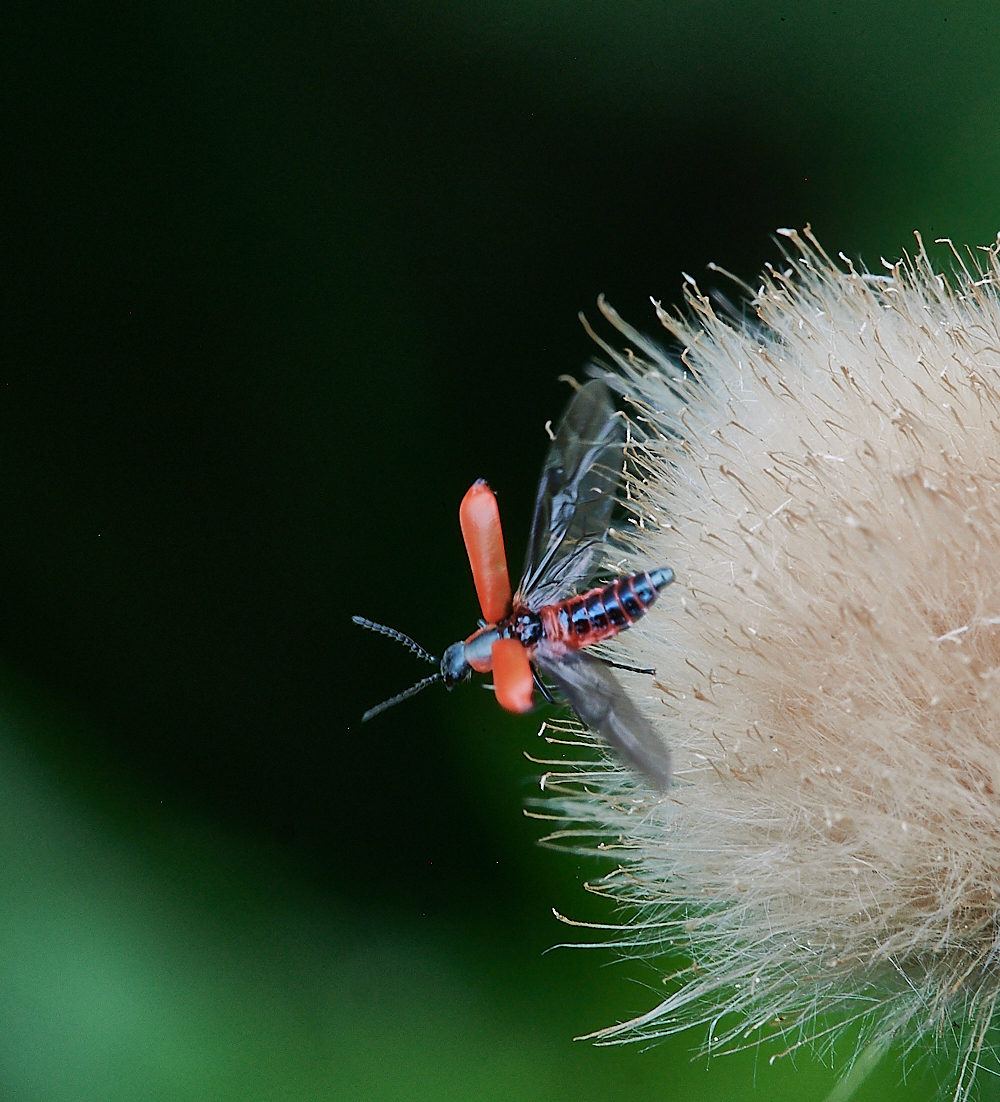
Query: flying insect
[[540, 633]]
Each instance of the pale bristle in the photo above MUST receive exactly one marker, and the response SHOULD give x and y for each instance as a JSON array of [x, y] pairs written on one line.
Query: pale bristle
[[825, 482]]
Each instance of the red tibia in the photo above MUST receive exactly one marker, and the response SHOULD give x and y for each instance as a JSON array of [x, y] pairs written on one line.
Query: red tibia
[[480, 521], [512, 678]]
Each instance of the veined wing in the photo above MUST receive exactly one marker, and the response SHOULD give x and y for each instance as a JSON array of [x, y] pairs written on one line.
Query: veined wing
[[601, 703], [576, 494]]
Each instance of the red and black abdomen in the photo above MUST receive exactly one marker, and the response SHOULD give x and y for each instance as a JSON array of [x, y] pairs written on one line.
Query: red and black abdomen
[[603, 612]]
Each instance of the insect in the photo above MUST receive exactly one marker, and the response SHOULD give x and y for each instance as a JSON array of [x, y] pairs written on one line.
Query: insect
[[541, 631]]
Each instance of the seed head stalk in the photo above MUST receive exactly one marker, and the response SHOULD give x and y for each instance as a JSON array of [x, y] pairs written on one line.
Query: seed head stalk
[[824, 478]]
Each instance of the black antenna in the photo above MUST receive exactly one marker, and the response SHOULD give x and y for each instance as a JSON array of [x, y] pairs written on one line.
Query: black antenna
[[412, 691], [382, 629], [416, 648]]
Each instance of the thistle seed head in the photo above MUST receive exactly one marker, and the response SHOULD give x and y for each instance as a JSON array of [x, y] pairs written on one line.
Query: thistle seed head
[[824, 478]]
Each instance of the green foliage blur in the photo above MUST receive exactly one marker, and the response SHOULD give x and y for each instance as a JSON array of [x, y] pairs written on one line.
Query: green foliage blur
[[279, 281]]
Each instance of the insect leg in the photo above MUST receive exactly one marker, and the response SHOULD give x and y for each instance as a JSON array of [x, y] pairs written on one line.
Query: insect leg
[[622, 666], [543, 689]]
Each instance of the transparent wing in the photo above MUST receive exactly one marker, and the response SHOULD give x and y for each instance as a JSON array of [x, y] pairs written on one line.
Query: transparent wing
[[576, 494], [601, 703]]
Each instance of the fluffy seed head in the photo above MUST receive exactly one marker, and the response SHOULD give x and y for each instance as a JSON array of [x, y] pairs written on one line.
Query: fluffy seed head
[[824, 478]]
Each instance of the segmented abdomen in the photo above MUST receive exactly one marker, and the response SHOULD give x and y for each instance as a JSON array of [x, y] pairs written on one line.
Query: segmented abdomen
[[603, 612]]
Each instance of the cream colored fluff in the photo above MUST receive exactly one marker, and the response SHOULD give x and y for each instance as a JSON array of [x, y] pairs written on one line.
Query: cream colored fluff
[[825, 482]]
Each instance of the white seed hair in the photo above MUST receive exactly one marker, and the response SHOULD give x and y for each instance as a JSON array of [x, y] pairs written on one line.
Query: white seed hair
[[824, 479]]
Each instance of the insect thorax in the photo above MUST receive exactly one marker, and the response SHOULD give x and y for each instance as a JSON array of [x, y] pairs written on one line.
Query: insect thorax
[[523, 625]]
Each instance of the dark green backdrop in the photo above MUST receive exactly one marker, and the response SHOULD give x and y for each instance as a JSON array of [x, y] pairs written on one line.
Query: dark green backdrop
[[278, 282]]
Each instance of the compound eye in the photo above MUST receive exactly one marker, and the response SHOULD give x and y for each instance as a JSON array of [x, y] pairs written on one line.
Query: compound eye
[[454, 665]]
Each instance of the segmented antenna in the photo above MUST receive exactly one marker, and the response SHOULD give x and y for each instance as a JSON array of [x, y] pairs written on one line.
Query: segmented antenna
[[383, 629], [416, 648], [412, 691]]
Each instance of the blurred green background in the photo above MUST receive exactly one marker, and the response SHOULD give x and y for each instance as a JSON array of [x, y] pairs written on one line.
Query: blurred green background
[[278, 282]]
